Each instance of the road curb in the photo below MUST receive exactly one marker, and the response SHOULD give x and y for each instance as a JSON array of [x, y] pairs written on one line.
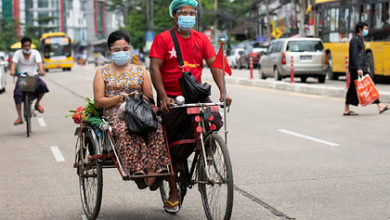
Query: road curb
[[320, 89]]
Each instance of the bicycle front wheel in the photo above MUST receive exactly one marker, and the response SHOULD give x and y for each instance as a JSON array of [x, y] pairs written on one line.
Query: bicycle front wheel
[[216, 188], [27, 113], [90, 179]]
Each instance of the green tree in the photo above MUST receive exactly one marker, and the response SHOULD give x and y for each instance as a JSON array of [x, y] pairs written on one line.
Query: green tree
[[228, 15], [36, 32], [7, 34]]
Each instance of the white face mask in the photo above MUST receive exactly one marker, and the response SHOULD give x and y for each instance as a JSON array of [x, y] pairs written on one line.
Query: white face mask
[[27, 51]]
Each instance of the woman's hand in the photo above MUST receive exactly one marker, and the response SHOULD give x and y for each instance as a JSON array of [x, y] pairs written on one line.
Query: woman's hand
[[123, 97], [228, 99], [360, 73], [165, 103]]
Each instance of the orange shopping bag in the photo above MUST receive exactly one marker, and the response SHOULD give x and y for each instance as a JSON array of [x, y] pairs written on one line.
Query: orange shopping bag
[[366, 91]]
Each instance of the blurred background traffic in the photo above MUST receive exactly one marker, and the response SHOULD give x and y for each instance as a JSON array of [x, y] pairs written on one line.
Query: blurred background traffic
[[75, 31]]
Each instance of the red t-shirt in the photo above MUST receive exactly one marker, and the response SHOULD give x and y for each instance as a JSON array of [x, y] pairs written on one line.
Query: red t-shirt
[[193, 49]]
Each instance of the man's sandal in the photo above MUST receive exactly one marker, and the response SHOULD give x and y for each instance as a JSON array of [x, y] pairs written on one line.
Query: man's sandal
[[39, 108], [18, 122], [175, 207]]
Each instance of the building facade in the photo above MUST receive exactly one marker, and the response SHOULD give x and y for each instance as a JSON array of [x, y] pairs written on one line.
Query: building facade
[[85, 21]]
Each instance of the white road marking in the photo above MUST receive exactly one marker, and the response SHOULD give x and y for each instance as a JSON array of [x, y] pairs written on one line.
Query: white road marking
[[42, 122], [308, 137], [84, 217], [57, 154]]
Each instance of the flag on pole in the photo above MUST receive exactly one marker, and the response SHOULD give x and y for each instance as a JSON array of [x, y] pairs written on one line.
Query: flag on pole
[[218, 63]]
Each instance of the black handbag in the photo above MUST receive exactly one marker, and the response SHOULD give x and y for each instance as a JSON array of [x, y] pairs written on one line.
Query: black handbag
[[139, 116], [193, 91]]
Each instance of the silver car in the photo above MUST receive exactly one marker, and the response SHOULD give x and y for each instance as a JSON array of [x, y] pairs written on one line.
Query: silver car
[[307, 55]]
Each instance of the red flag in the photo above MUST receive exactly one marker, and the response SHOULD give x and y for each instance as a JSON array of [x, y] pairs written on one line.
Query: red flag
[[218, 63]]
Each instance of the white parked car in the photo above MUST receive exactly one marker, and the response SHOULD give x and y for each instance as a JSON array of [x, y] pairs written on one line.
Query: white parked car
[[308, 55], [235, 56]]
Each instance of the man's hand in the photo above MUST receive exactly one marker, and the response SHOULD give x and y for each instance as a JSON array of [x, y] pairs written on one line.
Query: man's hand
[[360, 72], [228, 100], [12, 73], [165, 103], [42, 72]]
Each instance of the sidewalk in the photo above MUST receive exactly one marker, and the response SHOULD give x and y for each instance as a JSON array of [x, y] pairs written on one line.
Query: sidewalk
[[330, 88]]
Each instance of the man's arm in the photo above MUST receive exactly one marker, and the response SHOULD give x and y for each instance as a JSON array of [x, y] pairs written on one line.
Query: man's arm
[[12, 72], [155, 74], [41, 70], [218, 78]]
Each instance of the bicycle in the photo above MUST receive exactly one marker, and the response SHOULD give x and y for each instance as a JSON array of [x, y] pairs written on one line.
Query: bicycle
[[96, 149], [27, 84], [211, 167]]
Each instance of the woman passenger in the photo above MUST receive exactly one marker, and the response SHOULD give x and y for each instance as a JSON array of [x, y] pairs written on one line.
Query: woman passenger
[[146, 154]]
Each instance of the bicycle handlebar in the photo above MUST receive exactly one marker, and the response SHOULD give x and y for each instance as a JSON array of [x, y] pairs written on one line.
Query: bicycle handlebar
[[29, 74], [173, 105]]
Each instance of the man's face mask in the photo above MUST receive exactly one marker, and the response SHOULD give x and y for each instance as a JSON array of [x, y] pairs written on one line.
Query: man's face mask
[[186, 22]]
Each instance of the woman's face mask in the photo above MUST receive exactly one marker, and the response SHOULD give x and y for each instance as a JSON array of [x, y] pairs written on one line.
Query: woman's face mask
[[186, 22], [121, 58], [365, 32]]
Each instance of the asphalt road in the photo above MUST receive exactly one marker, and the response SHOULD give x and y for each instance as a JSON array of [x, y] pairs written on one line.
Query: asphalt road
[[294, 156]]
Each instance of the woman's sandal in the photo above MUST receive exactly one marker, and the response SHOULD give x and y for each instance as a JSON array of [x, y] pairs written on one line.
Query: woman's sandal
[[172, 210], [350, 113], [140, 181], [384, 109], [158, 180]]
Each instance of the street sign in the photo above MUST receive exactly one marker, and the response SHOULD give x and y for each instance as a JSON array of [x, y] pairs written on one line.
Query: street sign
[[277, 33]]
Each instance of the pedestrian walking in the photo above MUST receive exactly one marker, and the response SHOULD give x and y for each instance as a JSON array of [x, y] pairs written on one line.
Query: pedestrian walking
[[358, 67]]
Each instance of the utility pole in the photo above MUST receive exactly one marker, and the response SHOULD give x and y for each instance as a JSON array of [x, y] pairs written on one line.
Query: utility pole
[[148, 15], [200, 16], [302, 10], [268, 21], [215, 22], [151, 8]]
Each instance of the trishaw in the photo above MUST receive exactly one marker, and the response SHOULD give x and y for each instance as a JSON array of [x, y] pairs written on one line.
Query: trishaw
[[210, 168]]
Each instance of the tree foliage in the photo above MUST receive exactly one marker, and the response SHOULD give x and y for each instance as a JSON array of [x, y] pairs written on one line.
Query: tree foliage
[[229, 14], [7, 34], [35, 32]]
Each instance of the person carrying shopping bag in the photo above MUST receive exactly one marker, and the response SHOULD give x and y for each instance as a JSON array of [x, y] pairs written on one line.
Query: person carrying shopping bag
[[358, 68]]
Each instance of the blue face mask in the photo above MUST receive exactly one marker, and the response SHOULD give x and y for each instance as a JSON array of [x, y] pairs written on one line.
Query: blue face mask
[[186, 22], [121, 58], [365, 32]]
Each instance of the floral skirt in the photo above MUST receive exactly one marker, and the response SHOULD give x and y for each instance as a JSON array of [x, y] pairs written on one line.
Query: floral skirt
[[140, 153]]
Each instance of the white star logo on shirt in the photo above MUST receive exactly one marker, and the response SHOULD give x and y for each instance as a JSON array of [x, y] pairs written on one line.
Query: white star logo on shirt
[[173, 53]]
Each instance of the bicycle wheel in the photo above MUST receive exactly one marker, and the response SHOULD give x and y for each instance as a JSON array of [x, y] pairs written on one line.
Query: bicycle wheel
[[27, 113], [217, 190], [90, 179]]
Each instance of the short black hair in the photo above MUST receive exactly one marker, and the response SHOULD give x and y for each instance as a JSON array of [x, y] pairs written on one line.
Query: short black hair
[[117, 35], [24, 40], [360, 26]]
